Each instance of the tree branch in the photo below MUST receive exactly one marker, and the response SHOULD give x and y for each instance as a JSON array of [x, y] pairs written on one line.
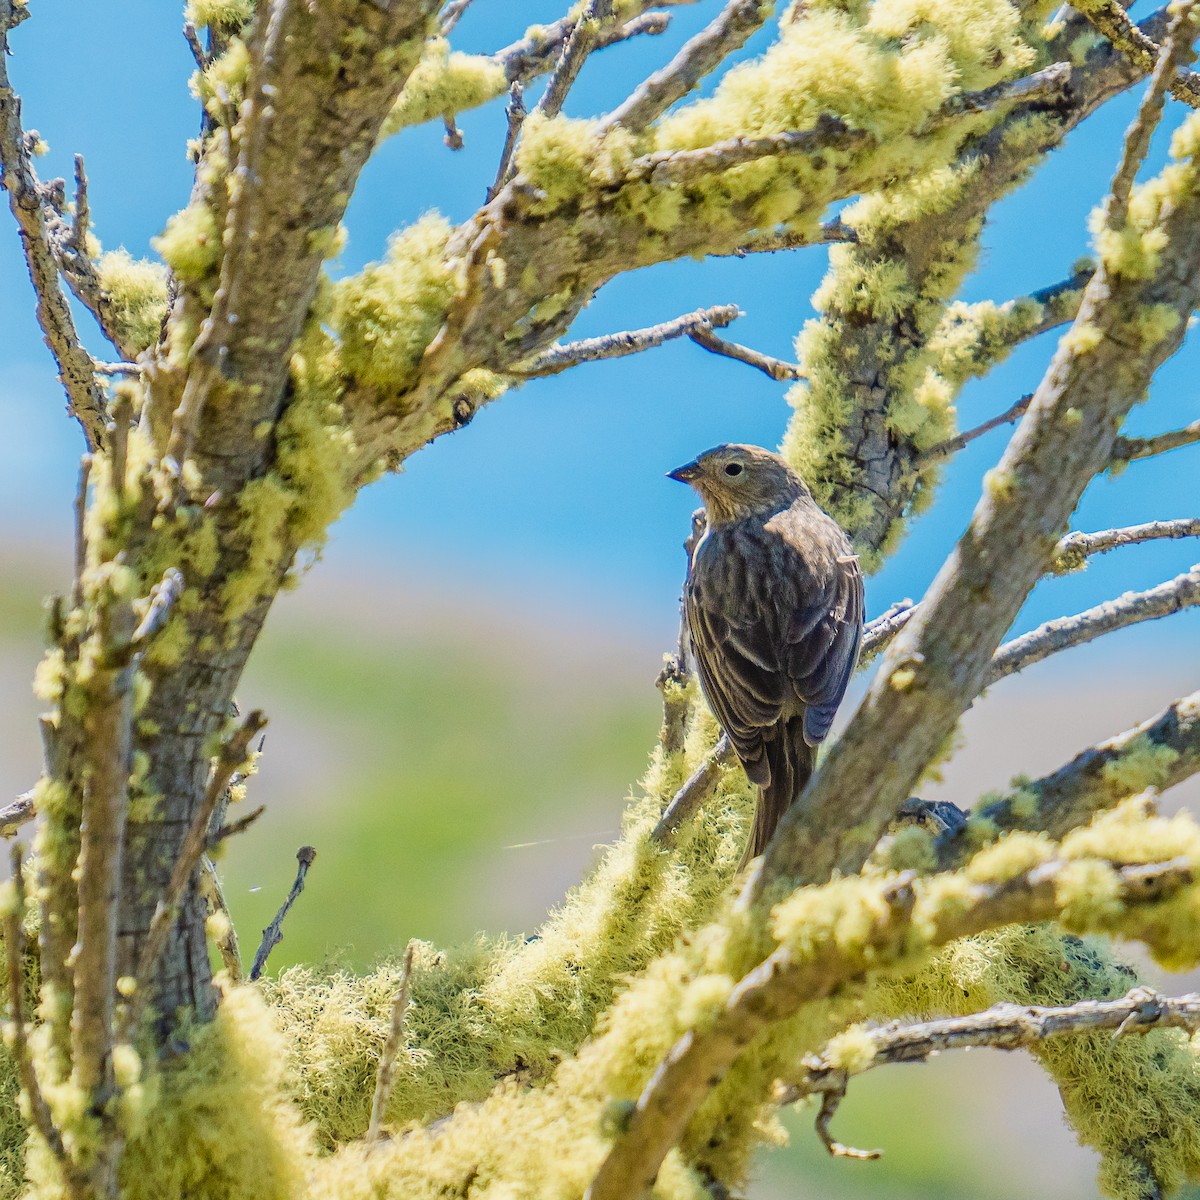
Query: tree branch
[[307, 126], [617, 345], [1160, 752], [1001, 1027], [1061, 634], [1113, 22], [585, 38], [85, 400], [1127, 450], [700, 56], [1072, 550], [273, 934], [777, 369], [900, 917]]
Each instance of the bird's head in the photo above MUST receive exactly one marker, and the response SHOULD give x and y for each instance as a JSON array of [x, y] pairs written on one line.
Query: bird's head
[[736, 481]]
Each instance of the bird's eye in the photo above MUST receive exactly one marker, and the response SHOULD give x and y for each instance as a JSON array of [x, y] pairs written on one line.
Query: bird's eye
[[733, 468]]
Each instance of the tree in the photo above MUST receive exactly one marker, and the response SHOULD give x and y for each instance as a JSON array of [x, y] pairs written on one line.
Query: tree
[[642, 1039]]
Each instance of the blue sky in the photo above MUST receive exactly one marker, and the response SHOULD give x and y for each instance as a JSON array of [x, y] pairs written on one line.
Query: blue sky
[[558, 487]]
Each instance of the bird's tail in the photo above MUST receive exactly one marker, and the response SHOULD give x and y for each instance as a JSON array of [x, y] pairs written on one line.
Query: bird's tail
[[792, 761]]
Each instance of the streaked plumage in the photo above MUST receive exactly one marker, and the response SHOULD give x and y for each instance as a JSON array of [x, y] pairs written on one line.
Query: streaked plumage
[[774, 607]]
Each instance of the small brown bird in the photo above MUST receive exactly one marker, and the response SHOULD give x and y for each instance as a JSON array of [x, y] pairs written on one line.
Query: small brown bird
[[774, 607]]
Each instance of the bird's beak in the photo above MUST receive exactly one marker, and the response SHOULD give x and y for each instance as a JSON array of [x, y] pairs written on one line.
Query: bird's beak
[[685, 474]]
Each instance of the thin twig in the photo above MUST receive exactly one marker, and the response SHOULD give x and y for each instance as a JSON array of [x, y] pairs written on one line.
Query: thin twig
[[39, 1110], [225, 937], [1110, 19], [516, 113], [233, 753], [699, 56], [85, 400], [81, 491], [583, 40], [233, 828], [1176, 49], [618, 345], [451, 14], [944, 450], [118, 368], [776, 368], [385, 1076], [1126, 450], [193, 41], [273, 934], [16, 815], [1001, 1027]]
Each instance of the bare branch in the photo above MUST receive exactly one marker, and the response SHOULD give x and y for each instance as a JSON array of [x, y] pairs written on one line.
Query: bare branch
[[1075, 547], [1110, 18], [193, 42], [233, 828], [539, 50], [1126, 450], [385, 1076], [618, 345], [85, 400], [1177, 49], [1002, 1027], [776, 368], [162, 597], [451, 14], [700, 56], [700, 786], [232, 755], [516, 113], [583, 40], [1130, 609], [944, 450], [273, 934]]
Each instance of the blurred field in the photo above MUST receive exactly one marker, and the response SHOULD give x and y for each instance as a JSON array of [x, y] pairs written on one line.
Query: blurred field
[[455, 759]]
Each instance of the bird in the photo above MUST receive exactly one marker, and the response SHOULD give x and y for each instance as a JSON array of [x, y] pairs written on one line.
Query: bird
[[773, 604]]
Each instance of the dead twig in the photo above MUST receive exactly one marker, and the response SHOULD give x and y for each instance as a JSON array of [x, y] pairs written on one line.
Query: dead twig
[[273, 934], [385, 1076]]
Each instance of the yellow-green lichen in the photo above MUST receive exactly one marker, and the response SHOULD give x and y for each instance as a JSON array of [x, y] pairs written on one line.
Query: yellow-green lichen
[[136, 293], [443, 83]]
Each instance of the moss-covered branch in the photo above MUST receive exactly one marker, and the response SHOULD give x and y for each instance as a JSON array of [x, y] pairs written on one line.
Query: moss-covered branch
[[85, 398], [1133, 317], [831, 935]]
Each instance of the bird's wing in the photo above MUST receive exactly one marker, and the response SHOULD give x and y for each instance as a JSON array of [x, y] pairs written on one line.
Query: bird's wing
[[741, 678], [823, 645]]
